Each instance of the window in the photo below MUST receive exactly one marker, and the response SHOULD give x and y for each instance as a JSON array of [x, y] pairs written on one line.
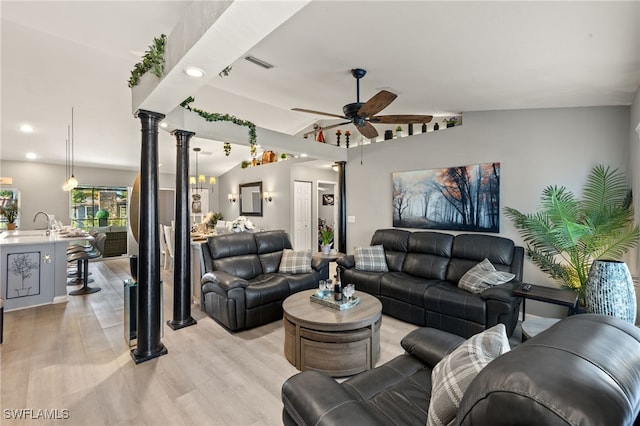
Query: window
[[93, 206]]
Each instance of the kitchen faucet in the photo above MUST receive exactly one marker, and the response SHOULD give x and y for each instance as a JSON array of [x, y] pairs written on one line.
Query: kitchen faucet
[[48, 220]]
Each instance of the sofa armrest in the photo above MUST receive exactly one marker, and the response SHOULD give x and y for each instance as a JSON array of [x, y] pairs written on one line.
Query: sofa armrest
[[224, 280], [347, 262], [502, 292], [312, 398], [318, 263], [430, 345]]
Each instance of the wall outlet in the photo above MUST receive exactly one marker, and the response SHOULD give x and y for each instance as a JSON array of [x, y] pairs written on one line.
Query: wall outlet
[[351, 219]]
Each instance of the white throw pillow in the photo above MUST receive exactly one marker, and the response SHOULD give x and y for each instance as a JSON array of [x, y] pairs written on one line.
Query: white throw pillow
[[452, 376], [482, 276], [370, 259], [295, 262]]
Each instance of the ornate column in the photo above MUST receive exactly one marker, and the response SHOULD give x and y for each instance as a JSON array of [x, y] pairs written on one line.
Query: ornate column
[[342, 209], [182, 251], [149, 284]]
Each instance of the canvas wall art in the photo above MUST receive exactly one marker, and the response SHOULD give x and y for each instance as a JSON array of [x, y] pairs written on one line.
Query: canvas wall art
[[463, 198]]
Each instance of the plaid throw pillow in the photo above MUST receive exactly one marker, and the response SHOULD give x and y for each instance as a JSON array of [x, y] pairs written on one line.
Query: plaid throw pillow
[[370, 259], [482, 276], [295, 262], [452, 376]]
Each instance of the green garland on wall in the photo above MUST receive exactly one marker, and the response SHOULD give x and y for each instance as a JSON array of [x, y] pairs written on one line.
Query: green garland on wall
[[213, 116], [153, 60]]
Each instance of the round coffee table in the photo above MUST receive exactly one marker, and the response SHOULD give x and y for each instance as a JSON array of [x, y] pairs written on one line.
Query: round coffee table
[[340, 343]]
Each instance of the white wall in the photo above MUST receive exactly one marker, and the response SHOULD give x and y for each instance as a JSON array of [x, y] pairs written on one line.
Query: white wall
[[536, 148]]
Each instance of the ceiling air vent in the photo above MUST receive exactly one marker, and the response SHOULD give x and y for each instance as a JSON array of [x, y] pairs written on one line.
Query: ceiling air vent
[[258, 62]]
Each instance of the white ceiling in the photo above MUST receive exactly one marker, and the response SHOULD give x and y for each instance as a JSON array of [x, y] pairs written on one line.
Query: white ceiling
[[439, 57]]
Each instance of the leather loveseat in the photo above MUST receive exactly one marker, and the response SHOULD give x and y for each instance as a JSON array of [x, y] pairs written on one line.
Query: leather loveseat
[[421, 285], [584, 370], [242, 286]]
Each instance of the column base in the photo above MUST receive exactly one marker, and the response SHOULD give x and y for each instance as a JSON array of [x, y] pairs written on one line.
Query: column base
[[177, 325], [139, 358]]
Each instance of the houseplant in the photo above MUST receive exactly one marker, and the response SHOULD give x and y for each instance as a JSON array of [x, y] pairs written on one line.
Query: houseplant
[[399, 131], [326, 238], [451, 121], [10, 212], [102, 216], [567, 234]]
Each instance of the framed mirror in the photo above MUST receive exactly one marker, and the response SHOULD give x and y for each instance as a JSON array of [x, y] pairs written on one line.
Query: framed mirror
[[250, 199]]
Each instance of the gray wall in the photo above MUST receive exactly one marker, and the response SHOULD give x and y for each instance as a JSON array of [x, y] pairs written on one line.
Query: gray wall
[[277, 179], [40, 186], [536, 148]]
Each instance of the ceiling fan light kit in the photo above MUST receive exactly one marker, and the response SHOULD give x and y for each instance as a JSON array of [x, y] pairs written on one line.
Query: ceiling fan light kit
[[362, 115]]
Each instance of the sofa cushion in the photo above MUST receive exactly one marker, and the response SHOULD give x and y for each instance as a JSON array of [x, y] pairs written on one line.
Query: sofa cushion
[[247, 266], [482, 276], [265, 289], [447, 299], [451, 376], [405, 287], [370, 259], [295, 262], [469, 249], [396, 245]]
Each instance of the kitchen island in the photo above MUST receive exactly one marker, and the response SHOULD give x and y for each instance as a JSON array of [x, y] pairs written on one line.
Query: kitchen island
[[33, 265]]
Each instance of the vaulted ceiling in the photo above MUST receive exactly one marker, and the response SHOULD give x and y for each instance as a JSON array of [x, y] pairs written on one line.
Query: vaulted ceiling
[[440, 58]]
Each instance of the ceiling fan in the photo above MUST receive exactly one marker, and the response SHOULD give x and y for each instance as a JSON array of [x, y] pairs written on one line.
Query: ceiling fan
[[363, 114]]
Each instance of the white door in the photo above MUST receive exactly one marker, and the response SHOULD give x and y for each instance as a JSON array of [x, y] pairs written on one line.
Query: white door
[[302, 215]]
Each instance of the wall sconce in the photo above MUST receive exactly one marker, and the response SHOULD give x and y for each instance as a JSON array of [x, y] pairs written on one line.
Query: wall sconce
[[231, 198], [267, 197]]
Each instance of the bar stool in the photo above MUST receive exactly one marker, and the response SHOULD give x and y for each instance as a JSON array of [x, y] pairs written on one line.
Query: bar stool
[[82, 257]]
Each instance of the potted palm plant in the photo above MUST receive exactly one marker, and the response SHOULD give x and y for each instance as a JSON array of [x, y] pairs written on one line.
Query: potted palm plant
[[10, 212], [568, 234]]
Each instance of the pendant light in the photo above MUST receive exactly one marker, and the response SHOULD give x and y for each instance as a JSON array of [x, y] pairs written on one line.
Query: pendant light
[[65, 185], [198, 180], [73, 182]]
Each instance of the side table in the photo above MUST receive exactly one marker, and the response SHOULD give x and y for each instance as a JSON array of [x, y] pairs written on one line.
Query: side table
[[552, 295]]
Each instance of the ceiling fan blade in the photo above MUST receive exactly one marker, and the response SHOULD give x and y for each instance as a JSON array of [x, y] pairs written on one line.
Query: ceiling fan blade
[[310, 111], [367, 130], [377, 103], [324, 128], [401, 119]]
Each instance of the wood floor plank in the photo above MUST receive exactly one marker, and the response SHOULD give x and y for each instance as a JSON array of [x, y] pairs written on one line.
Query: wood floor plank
[[73, 356]]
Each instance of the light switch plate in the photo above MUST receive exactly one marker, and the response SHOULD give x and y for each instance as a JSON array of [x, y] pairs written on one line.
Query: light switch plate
[[351, 219]]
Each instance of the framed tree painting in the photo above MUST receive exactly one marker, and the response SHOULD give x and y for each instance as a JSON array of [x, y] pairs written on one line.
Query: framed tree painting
[[462, 198]]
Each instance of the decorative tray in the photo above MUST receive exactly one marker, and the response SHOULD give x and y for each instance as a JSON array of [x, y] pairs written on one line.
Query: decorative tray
[[326, 298]]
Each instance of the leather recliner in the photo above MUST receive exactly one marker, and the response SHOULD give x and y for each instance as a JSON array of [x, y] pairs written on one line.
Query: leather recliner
[[584, 370], [241, 285], [421, 286]]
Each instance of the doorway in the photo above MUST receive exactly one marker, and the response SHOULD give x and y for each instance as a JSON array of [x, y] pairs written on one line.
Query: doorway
[[302, 215], [327, 210]]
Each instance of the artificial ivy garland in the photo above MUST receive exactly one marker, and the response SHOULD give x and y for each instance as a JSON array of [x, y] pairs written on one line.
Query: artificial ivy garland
[[212, 116], [153, 60]]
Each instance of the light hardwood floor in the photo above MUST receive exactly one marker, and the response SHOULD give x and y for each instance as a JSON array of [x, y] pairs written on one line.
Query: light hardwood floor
[[73, 356]]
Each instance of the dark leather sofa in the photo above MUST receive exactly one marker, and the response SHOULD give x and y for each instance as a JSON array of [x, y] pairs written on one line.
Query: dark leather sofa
[[421, 286], [241, 285], [585, 370]]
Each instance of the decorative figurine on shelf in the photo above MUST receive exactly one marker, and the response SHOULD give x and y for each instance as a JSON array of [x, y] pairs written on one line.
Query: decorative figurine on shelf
[[424, 127], [346, 137], [338, 133], [410, 128], [436, 126]]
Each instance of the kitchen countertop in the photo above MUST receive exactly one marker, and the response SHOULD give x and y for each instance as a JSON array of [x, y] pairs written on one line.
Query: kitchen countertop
[[37, 237]]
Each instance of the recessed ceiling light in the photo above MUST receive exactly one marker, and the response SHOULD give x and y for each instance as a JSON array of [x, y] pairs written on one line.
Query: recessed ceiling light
[[31, 155], [303, 155], [194, 72], [26, 128], [163, 125]]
